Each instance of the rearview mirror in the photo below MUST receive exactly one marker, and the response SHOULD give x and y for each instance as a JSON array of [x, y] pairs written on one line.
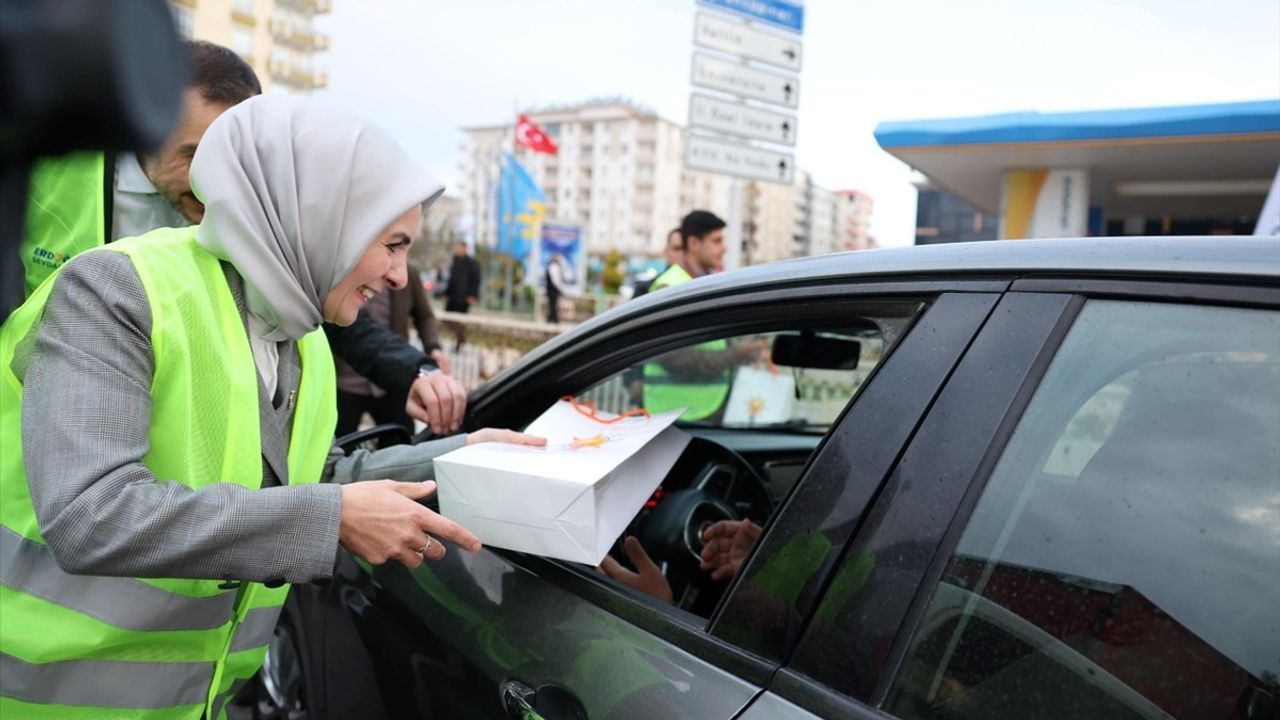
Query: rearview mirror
[[817, 352]]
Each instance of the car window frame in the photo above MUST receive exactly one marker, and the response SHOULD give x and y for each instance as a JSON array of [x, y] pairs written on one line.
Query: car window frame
[[690, 632]]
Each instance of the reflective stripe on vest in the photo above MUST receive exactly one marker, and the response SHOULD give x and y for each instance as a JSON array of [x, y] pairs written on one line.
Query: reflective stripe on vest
[[220, 701], [66, 213], [68, 638], [256, 628], [106, 683], [28, 567]]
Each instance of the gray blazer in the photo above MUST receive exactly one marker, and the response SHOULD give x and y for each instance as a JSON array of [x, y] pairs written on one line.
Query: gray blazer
[[86, 370]]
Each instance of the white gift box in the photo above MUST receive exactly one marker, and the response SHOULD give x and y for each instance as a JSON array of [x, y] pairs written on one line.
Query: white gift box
[[570, 500]]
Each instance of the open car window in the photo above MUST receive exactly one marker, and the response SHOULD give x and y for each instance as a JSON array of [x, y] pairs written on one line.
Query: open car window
[[757, 406]]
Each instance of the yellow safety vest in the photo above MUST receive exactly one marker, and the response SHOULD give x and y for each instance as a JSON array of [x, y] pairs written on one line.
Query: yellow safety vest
[[67, 210], [665, 391], [75, 647]]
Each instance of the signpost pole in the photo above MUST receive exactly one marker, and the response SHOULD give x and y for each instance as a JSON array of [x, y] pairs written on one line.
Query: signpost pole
[[733, 232]]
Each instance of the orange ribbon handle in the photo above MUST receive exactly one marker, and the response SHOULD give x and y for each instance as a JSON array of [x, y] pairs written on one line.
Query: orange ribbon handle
[[588, 409]]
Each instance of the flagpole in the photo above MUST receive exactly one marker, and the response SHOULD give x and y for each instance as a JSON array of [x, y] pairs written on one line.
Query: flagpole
[[511, 257]]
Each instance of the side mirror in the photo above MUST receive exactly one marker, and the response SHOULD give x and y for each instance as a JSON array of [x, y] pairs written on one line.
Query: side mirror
[[816, 352]]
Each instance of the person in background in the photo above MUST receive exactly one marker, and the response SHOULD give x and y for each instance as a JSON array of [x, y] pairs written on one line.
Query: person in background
[[462, 290], [357, 394], [697, 378], [702, 250], [556, 288], [672, 254]]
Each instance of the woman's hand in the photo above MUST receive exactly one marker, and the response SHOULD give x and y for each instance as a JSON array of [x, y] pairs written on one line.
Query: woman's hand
[[381, 521], [505, 436]]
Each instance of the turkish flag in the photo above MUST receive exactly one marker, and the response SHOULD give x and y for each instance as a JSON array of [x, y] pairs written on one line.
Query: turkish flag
[[531, 136]]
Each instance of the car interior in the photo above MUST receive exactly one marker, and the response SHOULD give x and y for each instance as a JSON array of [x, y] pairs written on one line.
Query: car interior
[[743, 459]]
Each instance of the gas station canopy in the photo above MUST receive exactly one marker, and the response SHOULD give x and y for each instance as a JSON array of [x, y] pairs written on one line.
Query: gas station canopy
[[1212, 160]]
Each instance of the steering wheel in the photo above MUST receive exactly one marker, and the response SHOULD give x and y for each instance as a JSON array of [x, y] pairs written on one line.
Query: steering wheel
[[709, 483]]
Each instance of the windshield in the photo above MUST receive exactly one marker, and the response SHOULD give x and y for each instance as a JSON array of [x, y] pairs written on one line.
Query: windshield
[[796, 380]]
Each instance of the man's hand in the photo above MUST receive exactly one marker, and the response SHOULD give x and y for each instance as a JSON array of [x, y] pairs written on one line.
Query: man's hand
[[472, 299], [505, 436], [438, 400], [648, 579], [441, 360], [381, 521], [726, 546]]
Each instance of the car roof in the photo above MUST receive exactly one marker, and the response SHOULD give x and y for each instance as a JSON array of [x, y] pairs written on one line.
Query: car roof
[[1201, 256], [1240, 257]]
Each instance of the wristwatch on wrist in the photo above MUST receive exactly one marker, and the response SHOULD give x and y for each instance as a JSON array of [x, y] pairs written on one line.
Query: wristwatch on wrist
[[424, 370]]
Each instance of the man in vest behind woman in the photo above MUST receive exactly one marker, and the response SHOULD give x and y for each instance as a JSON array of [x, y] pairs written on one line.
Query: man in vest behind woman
[[174, 398]]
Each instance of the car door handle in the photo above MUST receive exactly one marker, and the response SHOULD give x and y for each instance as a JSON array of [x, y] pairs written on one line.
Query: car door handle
[[518, 700], [548, 702]]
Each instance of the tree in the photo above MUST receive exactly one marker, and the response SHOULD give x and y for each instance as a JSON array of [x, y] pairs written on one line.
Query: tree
[[613, 276]]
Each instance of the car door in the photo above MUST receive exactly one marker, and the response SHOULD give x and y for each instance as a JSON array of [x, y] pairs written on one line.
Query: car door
[[1087, 524], [474, 635]]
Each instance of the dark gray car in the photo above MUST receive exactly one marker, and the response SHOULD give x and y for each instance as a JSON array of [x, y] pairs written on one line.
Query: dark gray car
[[1001, 480]]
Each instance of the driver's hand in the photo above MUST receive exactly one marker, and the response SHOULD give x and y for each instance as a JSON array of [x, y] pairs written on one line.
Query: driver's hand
[[725, 547], [648, 579]]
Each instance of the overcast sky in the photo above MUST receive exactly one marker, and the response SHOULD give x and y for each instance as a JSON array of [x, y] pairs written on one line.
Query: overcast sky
[[425, 68]]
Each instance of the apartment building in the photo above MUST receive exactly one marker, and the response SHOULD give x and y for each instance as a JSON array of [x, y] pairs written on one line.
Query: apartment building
[[277, 38], [853, 220], [620, 174]]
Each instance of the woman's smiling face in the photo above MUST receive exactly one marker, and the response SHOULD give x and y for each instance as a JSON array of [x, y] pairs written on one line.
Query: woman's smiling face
[[381, 267]]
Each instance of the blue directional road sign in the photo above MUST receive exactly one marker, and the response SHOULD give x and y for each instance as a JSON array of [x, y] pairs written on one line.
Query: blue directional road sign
[[779, 13]]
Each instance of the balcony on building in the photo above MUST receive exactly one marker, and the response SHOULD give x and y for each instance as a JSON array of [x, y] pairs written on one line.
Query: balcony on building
[[297, 36], [297, 78], [312, 7]]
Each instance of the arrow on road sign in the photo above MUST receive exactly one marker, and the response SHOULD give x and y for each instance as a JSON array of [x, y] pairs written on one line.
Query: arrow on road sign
[[730, 158], [740, 119], [746, 41], [744, 80]]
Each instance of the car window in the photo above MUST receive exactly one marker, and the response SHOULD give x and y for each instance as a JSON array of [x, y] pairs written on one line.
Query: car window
[[1124, 557], [793, 379], [757, 407]]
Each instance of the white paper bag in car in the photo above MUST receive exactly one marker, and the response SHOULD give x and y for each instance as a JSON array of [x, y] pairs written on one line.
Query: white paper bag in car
[[570, 500], [760, 397]]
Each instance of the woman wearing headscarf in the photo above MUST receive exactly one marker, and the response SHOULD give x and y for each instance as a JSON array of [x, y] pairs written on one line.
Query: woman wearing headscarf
[[175, 406]]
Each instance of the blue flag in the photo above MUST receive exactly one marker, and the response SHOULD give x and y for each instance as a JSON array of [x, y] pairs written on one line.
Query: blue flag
[[521, 208]]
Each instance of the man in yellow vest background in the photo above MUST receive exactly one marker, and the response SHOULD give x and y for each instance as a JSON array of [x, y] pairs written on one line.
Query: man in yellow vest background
[[84, 200], [699, 377]]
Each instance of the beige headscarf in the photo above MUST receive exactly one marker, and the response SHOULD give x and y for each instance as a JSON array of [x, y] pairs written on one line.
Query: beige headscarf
[[295, 191]]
